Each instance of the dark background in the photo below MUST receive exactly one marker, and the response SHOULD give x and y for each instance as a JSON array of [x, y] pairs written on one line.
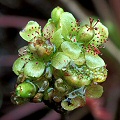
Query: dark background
[[14, 15]]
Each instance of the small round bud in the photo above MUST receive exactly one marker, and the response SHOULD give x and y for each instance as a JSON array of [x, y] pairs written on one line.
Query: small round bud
[[26, 90], [85, 34], [55, 14]]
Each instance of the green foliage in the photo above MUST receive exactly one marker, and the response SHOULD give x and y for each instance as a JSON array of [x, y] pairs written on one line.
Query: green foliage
[[62, 62]]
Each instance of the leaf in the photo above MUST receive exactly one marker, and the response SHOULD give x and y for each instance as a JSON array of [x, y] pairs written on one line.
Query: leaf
[[60, 60], [31, 30], [93, 61]]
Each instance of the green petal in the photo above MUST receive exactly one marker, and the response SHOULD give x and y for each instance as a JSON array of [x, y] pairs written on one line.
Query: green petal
[[94, 91], [71, 49], [67, 23], [71, 104], [31, 30], [60, 60], [19, 64], [34, 68], [49, 29], [94, 61], [80, 60], [101, 34], [57, 38]]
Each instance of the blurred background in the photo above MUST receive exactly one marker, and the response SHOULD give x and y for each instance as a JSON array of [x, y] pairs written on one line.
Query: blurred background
[[14, 15]]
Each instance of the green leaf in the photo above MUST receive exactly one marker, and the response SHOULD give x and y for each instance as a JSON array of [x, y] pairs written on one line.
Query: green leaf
[[31, 30], [71, 49], [94, 91], [93, 61], [60, 60], [34, 68]]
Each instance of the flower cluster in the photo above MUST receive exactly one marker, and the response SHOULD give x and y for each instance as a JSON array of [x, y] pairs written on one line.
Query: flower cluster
[[61, 63]]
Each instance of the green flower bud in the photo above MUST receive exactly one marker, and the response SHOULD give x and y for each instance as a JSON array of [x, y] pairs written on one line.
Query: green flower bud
[[56, 13], [44, 49], [48, 72], [85, 34], [20, 63], [26, 90], [48, 94]]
